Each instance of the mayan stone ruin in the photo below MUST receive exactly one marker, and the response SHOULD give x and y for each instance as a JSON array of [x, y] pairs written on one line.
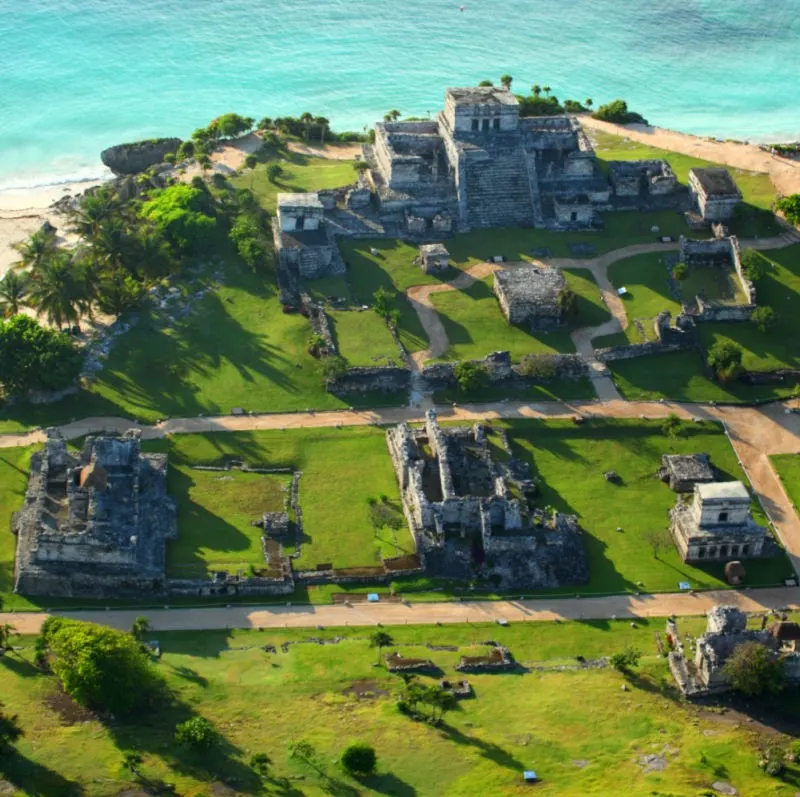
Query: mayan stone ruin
[[94, 524], [471, 514], [703, 673], [531, 296], [714, 193], [683, 471], [717, 524]]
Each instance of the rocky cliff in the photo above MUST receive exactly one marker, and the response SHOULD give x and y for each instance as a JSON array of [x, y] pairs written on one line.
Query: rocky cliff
[[138, 156]]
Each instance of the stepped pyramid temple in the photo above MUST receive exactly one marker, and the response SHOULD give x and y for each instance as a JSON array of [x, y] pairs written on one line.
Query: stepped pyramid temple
[[478, 164]]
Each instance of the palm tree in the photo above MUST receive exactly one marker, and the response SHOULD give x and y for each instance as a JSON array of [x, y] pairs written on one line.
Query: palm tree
[[13, 290], [94, 210], [307, 119], [251, 161], [141, 626], [588, 102], [536, 89], [152, 254], [380, 640], [391, 116], [546, 90], [322, 123], [505, 82], [59, 290], [37, 248]]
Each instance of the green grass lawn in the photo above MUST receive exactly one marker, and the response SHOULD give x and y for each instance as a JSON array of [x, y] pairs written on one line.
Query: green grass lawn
[[570, 461], [717, 285], [580, 731], [301, 173], [554, 390], [753, 218], [475, 323], [363, 338], [778, 347], [787, 466]]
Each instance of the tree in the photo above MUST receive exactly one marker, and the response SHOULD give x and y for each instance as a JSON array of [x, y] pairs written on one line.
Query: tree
[[659, 541], [33, 357], [93, 211], [546, 90], [60, 290], [322, 123], [754, 265], [230, 125], [100, 667], [151, 252], [391, 116], [307, 119], [141, 626], [13, 290], [506, 81], [753, 669], [725, 359], [470, 375], [274, 171], [117, 294], [485, 83], [197, 733], [567, 302], [10, 731], [383, 302], [251, 161], [186, 150], [764, 317], [626, 660], [182, 213], [588, 102], [36, 249], [790, 207], [380, 639], [536, 89], [265, 123], [359, 758], [680, 271], [439, 700], [618, 113], [672, 426]]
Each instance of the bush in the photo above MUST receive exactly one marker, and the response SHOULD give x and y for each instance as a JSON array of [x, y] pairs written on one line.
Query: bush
[[33, 357], [274, 171], [618, 113], [246, 236], [573, 106], [359, 759], [680, 271], [764, 317], [183, 213], [790, 207], [753, 669], [230, 125], [725, 359], [626, 660], [100, 667], [470, 375], [197, 733], [754, 265]]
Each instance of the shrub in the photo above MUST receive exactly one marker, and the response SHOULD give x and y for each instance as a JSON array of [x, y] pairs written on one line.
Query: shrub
[[764, 317], [754, 265], [790, 207], [672, 426], [230, 124], [753, 669], [680, 271], [100, 667], [567, 302], [573, 106], [183, 214], [470, 375], [246, 236], [33, 357], [618, 113], [626, 660], [725, 359], [197, 733], [274, 171], [359, 758]]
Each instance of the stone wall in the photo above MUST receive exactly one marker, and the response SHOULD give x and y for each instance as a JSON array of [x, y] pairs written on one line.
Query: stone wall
[[372, 379], [320, 323], [714, 251], [708, 312], [632, 350]]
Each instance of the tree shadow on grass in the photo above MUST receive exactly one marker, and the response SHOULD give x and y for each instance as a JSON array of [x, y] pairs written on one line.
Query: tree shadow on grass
[[35, 779], [19, 666], [388, 783], [489, 750]]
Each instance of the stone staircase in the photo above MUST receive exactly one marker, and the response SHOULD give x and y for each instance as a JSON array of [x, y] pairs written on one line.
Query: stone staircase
[[499, 191]]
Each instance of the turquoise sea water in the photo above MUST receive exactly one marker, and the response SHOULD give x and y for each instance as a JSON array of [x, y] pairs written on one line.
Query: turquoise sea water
[[79, 75]]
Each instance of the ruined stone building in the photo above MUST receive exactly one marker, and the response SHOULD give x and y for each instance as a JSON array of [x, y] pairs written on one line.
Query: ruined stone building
[[434, 258], [714, 193], [717, 524], [683, 471], [531, 296], [470, 513], [726, 629], [478, 164], [303, 241], [94, 524], [642, 179], [723, 252]]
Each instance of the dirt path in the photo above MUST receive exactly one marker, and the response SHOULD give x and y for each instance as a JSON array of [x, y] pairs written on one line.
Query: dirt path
[[785, 174], [358, 614]]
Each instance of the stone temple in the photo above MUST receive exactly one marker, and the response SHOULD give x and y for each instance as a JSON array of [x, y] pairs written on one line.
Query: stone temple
[[478, 164], [717, 524], [94, 524], [530, 296], [470, 513]]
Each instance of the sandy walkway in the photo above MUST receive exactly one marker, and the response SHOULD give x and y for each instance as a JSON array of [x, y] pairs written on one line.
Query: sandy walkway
[[785, 174]]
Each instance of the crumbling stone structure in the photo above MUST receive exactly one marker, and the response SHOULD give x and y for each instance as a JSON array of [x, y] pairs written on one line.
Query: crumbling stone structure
[[647, 178], [714, 192], [726, 629], [723, 252], [458, 502], [530, 296], [303, 241], [478, 162], [683, 471], [434, 258], [94, 524], [717, 525]]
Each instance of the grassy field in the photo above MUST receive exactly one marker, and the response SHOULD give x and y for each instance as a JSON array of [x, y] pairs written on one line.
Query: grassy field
[[570, 461], [754, 218], [475, 323], [554, 390], [787, 466], [717, 285], [363, 338], [580, 731]]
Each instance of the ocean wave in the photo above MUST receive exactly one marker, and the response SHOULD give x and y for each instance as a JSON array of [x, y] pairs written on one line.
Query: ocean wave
[[29, 183]]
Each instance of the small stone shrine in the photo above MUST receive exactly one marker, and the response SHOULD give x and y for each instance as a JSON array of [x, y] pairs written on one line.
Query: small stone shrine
[[530, 296], [714, 192], [434, 258], [683, 471]]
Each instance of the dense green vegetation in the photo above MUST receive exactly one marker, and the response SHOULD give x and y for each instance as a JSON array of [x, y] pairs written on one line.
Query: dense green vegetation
[[790, 207], [580, 731], [618, 113]]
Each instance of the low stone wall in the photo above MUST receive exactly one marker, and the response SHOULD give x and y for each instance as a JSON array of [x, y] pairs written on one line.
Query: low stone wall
[[203, 587], [632, 350], [720, 312], [501, 370], [320, 323], [770, 377], [372, 379]]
